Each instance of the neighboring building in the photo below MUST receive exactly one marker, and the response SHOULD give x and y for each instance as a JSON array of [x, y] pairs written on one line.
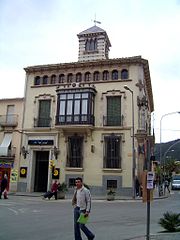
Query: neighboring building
[[11, 112], [78, 117]]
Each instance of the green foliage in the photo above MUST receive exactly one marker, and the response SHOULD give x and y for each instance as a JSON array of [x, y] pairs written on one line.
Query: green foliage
[[63, 187], [111, 192], [170, 221]]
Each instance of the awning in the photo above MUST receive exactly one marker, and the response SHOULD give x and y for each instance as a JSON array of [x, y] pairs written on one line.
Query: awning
[[5, 144]]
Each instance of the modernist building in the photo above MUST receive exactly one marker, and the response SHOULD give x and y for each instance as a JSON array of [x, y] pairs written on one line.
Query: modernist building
[[78, 117], [11, 112]]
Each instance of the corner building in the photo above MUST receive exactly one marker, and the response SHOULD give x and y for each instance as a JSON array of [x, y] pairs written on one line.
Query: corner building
[[78, 118]]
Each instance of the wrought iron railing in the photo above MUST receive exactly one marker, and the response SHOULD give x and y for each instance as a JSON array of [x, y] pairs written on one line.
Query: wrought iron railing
[[111, 120], [42, 122]]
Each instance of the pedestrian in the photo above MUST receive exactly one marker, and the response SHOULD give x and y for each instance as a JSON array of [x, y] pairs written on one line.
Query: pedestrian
[[53, 192], [4, 185], [166, 185], [82, 204], [54, 189], [137, 184]]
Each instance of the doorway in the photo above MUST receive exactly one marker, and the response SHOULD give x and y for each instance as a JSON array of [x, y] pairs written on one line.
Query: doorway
[[41, 171]]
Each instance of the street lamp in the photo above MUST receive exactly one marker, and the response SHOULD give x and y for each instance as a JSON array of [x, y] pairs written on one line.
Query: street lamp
[[133, 147], [161, 132], [160, 149]]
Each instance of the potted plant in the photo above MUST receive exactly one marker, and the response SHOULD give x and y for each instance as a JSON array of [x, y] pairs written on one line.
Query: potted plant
[[170, 221], [62, 189], [111, 195]]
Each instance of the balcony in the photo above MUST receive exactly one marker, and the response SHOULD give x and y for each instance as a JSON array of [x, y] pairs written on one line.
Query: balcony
[[112, 120], [9, 120], [78, 119], [42, 122]]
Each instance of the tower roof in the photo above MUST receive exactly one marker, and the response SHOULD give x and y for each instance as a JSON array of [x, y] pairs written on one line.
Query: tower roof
[[94, 29]]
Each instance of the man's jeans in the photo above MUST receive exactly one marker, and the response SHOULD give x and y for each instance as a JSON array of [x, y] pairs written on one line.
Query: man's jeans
[[78, 226]]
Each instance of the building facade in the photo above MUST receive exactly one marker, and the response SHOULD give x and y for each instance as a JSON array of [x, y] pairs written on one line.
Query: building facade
[[11, 112], [78, 119]]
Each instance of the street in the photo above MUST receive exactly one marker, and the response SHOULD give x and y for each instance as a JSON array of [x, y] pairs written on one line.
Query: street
[[31, 218]]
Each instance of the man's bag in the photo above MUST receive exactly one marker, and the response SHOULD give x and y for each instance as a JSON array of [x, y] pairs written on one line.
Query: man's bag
[[48, 194]]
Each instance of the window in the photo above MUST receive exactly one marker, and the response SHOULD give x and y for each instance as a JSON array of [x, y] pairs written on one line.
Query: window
[[53, 79], [44, 114], [111, 184], [78, 77], [10, 117], [124, 74], [105, 75], [75, 147], [87, 77], [37, 80], [61, 78], [72, 183], [70, 78], [113, 117], [114, 75], [45, 80], [75, 107], [112, 157], [91, 44], [96, 76]]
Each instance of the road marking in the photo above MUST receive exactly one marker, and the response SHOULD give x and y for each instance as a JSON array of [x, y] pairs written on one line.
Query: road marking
[[14, 211]]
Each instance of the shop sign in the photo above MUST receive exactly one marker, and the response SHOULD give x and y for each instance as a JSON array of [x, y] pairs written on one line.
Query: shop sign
[[41, 142]]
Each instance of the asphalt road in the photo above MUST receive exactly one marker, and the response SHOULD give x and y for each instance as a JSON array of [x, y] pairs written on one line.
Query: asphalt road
[[32, 218]]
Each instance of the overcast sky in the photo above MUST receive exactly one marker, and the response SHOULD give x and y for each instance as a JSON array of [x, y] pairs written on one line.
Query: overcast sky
[[37, 32]]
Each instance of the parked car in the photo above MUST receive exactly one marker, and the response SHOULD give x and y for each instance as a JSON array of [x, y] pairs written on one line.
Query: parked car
[[175, 184]]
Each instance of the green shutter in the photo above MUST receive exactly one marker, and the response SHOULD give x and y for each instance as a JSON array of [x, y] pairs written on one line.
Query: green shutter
[[114, 111]]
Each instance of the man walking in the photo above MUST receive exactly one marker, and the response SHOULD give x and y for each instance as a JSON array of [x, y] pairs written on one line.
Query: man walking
[[82, 204]]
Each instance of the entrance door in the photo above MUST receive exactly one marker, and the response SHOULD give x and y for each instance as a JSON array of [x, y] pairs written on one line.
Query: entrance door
[[41, 171]]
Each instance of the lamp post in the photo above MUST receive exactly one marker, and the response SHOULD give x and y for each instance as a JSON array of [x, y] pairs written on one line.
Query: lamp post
[[133, 146]]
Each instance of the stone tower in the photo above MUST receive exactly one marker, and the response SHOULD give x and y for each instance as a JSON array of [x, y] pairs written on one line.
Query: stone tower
[[94, 44]]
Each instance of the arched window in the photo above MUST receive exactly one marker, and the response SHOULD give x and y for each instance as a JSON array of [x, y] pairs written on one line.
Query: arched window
[[87, 77], [78, 77], [124, 74], [37, 80], [53, 79], [114, 75], [45, 80], [91, 44], [96, 76], [105, 75], [70, 78], [95, 44], [61, 78]]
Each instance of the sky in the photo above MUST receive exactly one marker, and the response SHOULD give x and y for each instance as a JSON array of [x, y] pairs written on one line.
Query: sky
[[36, 32]]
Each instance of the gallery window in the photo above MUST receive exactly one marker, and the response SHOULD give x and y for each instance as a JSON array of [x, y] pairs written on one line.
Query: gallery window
[[45, 80], [37, 80], [114, 75], [75, 106], [124, 74]]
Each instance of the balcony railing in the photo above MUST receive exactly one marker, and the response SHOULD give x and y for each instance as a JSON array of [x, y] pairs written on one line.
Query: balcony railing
[[9, 120], [112, 120], [75, 119], [42, 122]]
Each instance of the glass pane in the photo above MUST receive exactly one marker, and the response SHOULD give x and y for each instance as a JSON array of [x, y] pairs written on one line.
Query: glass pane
[[69, 107], [62, 108], [77, 107], [63, 96], [70, 96], [84, 106], [84, 95], [77, 95]]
